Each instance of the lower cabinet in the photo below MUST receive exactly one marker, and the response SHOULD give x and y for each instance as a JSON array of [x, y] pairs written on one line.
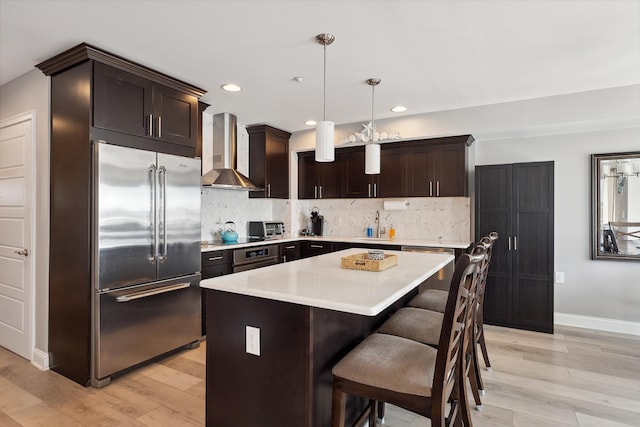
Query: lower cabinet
[[311, 248], [290, 251], [214, 264]]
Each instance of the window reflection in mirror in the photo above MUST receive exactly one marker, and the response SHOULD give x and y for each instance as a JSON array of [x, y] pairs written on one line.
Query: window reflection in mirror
[[616, 206]]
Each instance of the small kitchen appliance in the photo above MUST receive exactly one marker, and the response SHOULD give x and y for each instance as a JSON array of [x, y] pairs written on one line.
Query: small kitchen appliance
[[265, 230], [317, 223]]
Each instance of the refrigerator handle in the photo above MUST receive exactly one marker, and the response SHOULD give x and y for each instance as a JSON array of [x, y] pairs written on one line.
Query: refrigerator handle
[[154, 234], [162, 175]]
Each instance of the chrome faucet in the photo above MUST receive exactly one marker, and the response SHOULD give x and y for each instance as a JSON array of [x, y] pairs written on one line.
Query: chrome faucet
[[379, 230]]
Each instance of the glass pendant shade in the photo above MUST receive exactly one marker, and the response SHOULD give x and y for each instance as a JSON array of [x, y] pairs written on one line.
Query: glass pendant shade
[[324, 142], [372, 159]]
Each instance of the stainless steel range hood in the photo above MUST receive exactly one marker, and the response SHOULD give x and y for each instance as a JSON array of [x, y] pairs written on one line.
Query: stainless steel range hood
[[224, 174]]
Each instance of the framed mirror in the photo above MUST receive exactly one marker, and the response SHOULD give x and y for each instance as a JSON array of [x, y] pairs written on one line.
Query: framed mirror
[[615, 200]]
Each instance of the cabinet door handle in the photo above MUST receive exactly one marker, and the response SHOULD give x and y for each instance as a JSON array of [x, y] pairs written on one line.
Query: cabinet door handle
[[215, 258], [369, 189], [315, 191], [375, 190], [430, 188], [290, 247], [438, 188], [268, 190], [321, 191], [509, 243], [316, 246], [515, 243], [150, 124], [159, 126]]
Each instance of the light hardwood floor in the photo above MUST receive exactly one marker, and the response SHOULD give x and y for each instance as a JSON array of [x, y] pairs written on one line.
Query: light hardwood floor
[[575, 377]]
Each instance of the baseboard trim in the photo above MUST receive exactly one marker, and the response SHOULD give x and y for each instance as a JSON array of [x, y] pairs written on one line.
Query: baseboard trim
[[40, 359], [597, 323]]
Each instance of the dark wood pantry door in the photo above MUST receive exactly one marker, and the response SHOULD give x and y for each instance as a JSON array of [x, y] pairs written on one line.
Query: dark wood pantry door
[[516, 200]]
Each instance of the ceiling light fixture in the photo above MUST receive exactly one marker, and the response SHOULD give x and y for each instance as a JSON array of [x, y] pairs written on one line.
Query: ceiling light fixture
[[372, 150], [325, 150], [310, 123], [230, 87], [399, 109]]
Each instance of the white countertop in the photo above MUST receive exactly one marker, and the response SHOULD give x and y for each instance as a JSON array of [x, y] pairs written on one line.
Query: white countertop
[[320, 281], [383, 241]]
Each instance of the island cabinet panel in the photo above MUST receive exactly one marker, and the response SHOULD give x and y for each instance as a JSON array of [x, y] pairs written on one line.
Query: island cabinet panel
[[131, 104], [437, 170], [319, 180], [516, 200], [269, 161], [290, 382]]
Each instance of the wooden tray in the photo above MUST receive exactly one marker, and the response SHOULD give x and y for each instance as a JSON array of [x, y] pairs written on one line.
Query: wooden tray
[[362, 262]]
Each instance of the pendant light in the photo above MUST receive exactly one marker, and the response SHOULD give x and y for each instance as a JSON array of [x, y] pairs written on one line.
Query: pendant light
[[325, 150], [372, 150]]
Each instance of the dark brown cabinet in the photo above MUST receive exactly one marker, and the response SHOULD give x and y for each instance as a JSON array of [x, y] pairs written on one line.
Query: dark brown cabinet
[[319, 180], [216, 263], [134, 105], [313, 248], [436, 169], [390, 182], [290, 251], [213, 264], [516, 200], [91, 101], [269, 161]]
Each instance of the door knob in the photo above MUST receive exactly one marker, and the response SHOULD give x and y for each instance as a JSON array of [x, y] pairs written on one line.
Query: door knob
[[24, 252]]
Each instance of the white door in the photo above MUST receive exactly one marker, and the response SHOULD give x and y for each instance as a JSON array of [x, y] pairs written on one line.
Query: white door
[[16, 267]]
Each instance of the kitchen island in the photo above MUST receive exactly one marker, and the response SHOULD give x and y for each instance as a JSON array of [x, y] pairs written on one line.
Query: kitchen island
[[274, 333]]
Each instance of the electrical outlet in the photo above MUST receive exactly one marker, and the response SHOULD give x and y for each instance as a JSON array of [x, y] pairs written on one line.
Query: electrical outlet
[[253, 340], [559, 277]]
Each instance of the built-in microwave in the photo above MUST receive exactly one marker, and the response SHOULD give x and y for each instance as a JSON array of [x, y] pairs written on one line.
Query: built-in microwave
[[265, 230]]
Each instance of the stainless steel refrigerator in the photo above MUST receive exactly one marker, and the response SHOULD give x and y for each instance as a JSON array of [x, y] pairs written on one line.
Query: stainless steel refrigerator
[[146, 249]]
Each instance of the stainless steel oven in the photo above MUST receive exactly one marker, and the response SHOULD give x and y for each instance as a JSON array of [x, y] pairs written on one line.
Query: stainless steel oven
[[255, 257]]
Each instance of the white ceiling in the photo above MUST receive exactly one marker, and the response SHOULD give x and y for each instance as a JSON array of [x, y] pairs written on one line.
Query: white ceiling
[[431, 55]]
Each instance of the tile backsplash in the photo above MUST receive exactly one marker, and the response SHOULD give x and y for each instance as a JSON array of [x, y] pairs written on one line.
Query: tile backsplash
[[429, 218], [220, 206]]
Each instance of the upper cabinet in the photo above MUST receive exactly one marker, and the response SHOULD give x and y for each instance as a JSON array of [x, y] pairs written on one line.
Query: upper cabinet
[[269, 161], [127, 103], [130, 104], [390, 182], [437, 167], [319, 180]]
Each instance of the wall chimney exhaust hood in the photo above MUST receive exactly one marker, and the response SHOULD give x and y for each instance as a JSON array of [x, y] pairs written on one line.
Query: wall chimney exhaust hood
[[224, 174]]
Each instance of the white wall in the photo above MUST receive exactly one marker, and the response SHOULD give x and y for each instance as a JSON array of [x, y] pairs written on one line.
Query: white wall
[[609, 289], [564, 129], [31, 92]]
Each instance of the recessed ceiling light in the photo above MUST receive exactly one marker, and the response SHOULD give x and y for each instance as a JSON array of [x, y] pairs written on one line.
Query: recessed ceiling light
[[230, 87], [310, 123], [399, 109], [299, 79]]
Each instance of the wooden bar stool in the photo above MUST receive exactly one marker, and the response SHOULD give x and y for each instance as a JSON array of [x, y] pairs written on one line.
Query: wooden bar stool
[[409, 374], [424, 326]]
